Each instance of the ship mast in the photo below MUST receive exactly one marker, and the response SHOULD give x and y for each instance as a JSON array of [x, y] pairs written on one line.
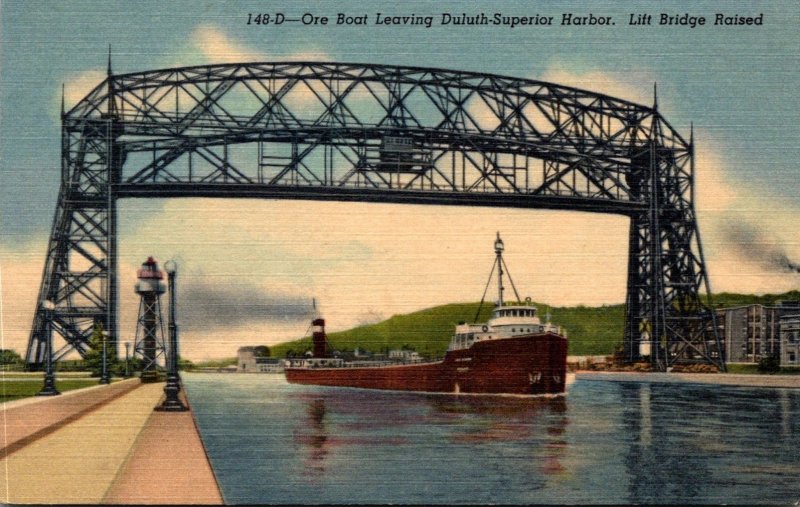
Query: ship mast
[[499, 263], [498, 249]]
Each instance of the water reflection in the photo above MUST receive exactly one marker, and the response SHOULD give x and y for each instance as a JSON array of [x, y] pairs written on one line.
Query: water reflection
[[534, 427], [786, 413], [689, 444], [504, 419], [659, 460], [346, 423], [313, 438]]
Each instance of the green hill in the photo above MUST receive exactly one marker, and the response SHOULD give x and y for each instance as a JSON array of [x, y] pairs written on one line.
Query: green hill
[[591, 330], [726, 299]]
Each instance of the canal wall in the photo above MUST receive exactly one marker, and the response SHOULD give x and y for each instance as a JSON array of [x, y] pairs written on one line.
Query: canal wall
[[103, 444], [726, 379]]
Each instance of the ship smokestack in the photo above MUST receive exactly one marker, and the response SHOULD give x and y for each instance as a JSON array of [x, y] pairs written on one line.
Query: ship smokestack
[[319, 338]]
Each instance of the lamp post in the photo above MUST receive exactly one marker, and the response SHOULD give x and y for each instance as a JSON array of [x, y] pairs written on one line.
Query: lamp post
[[49, 387], [104, 377], [127, 349], [172, 403]]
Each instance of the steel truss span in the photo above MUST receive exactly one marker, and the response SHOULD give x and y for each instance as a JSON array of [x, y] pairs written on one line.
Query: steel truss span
[[377, 133]]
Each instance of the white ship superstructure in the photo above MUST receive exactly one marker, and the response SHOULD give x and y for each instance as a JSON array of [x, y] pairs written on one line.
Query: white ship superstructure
[[506, 322]]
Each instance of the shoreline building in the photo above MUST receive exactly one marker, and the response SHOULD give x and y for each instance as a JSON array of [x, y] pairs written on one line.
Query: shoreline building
[[790, 338], [752, 332], [249, 362]]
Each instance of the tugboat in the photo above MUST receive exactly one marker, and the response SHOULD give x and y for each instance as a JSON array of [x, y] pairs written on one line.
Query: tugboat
[[514, 352]]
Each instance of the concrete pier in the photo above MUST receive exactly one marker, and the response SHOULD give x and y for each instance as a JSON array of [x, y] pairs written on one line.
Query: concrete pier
[[725, 379], [169, 443], [103, 444]]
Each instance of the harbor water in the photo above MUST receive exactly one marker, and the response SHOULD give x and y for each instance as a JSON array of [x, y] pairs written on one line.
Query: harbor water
[[605, 442]]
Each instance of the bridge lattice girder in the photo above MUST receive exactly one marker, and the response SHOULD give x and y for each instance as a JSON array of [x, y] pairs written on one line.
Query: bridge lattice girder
[[318, 131]]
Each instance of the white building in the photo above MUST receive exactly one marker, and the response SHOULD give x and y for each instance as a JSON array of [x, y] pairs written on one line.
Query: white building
[[406, 356], [248, 362], [790, 339]]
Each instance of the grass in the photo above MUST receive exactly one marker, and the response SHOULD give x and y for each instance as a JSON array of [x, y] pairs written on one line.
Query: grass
[[742, 368], [591, 331], [752, 369], [215, 363], [16, 389]]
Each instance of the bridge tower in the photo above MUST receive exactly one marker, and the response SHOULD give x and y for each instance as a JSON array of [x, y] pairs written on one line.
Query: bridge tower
[[666, 321], [80, 272]]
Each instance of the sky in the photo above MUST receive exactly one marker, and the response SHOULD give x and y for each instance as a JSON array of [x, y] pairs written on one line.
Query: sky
[[249, 268]]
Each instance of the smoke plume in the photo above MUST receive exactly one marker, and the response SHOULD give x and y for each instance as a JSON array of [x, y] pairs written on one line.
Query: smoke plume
[[204, 306], [754, 244]]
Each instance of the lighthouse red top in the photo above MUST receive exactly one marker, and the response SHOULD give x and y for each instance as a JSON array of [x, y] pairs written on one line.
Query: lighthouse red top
[[149, 270]]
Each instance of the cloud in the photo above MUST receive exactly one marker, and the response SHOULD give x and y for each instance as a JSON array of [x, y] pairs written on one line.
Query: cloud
[[216, 46], [212, 45], [749, 236], [210, 306], [632, 86], [79, 85], [750, 241], [20, 275], [715, 191]]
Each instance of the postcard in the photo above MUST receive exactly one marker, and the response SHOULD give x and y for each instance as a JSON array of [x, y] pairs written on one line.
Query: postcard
[[400, 252]]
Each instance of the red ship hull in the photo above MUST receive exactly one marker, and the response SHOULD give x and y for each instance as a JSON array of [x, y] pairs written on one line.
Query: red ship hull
[[528, 364]]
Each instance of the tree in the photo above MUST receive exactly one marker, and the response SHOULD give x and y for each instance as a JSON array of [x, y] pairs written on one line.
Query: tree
[[769, 364], [261, 351], [185, 364], [8, 356], [94, 357]]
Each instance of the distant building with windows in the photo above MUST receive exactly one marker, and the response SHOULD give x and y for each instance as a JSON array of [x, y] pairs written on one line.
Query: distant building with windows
[[790, 338], [248, 362], [752, 332], [406, 356]]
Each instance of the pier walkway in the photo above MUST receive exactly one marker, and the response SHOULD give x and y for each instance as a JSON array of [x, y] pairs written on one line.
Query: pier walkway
[[103, 444]]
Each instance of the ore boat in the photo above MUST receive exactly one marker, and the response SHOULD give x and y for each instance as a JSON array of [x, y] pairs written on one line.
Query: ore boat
[[514, 352]]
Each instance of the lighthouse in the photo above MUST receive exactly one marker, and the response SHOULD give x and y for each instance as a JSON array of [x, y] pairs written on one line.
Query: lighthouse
[[150, 337]]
